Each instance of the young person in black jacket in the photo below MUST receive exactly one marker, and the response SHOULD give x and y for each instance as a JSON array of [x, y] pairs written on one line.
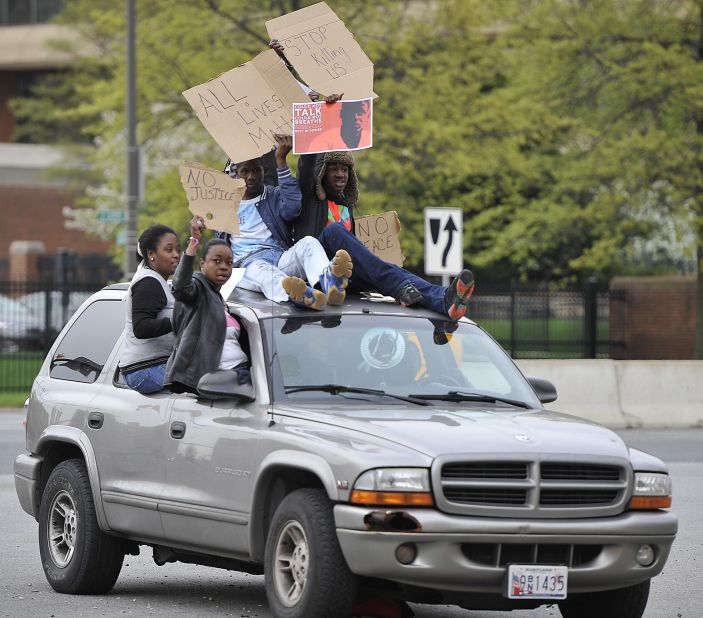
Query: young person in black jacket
[[207, 335]]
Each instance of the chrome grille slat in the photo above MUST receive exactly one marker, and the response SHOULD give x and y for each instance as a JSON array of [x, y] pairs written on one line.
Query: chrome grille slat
[[507, 487]]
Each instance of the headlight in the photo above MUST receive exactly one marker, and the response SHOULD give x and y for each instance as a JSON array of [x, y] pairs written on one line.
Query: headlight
[[393, 487], [652, 491]]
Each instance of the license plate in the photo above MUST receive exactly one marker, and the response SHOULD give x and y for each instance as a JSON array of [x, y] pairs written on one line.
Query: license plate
[[535, 581]]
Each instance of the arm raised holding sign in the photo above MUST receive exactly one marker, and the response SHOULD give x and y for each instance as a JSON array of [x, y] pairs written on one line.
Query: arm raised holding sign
[[264, 247], [329, 187]]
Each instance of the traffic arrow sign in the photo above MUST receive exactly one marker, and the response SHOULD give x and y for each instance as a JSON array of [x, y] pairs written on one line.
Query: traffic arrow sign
[[443, 241]]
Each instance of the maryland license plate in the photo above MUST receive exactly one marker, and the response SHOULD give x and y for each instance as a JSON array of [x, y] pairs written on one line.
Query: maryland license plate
[[534, 581]]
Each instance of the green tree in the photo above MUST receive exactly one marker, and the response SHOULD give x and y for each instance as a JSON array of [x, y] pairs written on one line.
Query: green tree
[[629, 72], [180, 43]]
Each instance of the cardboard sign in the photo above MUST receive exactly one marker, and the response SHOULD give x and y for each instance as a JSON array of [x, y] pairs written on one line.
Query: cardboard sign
[[213, 195], [323, 127], [323, 52], [380, 235], [243, 108]]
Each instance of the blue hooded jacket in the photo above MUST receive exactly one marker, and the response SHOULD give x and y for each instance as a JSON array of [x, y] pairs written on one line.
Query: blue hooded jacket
[[278, 207]]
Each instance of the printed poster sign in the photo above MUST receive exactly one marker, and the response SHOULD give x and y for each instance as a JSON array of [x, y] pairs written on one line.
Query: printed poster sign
[[380, 235], [326, 127], [213, 195], [323, 52], [243, 108]]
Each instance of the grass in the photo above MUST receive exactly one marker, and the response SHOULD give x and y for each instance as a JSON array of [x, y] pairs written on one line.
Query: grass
[[13, 399], [17, 372]]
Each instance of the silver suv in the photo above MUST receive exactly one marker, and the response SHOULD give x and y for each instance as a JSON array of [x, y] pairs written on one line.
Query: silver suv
[[379, 448]]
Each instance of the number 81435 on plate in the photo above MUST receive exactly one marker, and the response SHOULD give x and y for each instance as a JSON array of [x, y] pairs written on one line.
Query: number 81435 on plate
[[535, 581]]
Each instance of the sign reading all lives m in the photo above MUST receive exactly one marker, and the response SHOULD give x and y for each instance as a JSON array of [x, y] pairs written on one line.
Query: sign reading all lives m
[[444, 253], [244, 108]]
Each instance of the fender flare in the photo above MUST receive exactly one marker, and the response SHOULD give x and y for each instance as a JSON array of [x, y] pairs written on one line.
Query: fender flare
[[289, 459], [76, 437]]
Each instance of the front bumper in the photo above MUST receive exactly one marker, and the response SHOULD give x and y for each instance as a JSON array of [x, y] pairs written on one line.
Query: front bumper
[[26, 478], [443, 562]]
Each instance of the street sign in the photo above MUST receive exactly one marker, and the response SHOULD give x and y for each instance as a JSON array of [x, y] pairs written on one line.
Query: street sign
[[444, 253], [111, 215]]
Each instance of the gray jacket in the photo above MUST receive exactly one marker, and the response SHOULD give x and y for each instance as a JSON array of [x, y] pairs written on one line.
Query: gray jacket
[[199, 324]]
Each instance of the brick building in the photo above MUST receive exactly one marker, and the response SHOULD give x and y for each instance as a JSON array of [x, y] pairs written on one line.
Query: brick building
[[32, 205]]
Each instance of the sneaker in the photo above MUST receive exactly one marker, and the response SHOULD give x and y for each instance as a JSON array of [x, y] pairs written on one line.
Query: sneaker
[[409, 295], [443, 330], [456, 298], [335, 278], [302, 295]]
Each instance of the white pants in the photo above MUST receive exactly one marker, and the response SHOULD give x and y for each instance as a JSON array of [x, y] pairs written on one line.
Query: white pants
[[305, 259]]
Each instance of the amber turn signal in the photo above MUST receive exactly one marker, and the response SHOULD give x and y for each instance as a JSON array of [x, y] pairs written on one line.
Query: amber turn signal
[[650, 502], [391, 498]]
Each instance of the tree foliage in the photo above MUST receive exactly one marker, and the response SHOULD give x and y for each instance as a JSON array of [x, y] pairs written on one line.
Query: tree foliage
[[568, 131]]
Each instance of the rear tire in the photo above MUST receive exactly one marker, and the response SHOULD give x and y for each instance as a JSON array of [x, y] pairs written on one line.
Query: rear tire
[[627, 602], [78, 557], [305, 572]]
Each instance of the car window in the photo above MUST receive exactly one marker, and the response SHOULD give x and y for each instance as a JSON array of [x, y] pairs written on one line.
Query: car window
[[396, 354], [84, 349]]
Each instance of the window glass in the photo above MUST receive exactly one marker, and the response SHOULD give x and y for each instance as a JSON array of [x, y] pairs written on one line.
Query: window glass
[[46, 9], [18, 12], [84, 349], [398, 355]]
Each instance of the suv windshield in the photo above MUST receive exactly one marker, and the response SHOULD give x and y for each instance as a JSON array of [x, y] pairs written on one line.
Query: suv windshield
[[323, 357]]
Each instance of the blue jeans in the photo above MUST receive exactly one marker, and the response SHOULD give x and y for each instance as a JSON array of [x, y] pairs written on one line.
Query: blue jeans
[[147, 380], [371, 273]]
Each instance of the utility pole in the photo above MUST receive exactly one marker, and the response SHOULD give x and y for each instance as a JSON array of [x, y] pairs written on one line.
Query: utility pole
[[130, 246]]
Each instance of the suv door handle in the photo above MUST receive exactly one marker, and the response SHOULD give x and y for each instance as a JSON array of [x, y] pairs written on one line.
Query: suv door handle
[[95, 420], [178, 429]]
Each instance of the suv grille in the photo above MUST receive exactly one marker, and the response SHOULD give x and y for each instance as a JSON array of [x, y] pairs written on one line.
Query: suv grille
[[502, 554], [498, 487]]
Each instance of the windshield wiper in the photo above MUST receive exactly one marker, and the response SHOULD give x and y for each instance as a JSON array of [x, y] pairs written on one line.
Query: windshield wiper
[[338, 389], [461, 396]]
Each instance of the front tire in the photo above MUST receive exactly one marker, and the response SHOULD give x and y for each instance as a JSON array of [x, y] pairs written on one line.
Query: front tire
[[78, 557], [627, 602], [305, 572]]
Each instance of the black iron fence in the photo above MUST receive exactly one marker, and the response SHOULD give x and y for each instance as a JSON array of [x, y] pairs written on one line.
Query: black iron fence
[[541, 321]]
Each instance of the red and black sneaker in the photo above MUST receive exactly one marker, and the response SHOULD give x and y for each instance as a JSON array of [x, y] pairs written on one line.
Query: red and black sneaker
[[456, 298]]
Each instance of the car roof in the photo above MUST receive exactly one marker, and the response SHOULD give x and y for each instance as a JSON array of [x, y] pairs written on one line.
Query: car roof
[[265, 308]]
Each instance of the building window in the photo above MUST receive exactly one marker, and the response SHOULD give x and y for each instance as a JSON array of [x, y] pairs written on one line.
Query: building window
[[20, 12]]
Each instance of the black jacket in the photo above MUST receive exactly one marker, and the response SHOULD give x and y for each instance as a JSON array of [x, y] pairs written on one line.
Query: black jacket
[[313, 215], [199, 324]]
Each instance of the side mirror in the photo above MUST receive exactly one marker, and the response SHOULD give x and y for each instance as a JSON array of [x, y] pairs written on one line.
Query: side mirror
[[546, 391], [223, 384]]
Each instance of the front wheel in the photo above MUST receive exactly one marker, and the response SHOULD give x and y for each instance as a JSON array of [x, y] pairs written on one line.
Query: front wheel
[[78, 557], [624, 603], [305, 572]]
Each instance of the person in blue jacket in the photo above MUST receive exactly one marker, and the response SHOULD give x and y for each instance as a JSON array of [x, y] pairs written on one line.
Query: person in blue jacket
[[275, 266]]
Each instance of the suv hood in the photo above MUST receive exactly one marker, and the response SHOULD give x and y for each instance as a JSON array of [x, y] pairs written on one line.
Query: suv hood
[[445, 430]]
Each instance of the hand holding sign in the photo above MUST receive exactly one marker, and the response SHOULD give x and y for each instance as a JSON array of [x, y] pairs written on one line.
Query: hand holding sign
[[212, 195], [243, 108], [321, 49]]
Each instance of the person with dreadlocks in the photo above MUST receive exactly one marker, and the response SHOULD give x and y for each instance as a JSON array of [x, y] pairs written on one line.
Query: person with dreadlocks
[[330, 191]]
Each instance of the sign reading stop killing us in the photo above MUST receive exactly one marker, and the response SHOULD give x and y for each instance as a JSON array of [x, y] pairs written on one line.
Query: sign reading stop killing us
[[324, 52], [212, 195]]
